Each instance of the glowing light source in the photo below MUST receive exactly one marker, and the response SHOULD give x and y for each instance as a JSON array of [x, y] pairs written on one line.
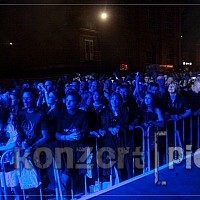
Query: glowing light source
[[10, 43], [104, 16]]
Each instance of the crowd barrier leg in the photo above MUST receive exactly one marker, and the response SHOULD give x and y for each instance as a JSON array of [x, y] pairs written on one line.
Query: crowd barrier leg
[[5, 189], [143, 148], [97, 162], [198, 132], [58, 189], [167, 145], [191, 130], [148, 149]]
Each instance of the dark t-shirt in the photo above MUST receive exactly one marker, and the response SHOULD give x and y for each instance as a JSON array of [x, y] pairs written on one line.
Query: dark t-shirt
[[31, 124], [67, 122]]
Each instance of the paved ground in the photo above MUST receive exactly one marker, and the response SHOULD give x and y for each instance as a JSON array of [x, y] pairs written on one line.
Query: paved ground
[[181, 183]]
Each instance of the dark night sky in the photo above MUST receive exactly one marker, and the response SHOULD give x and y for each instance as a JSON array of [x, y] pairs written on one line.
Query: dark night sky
[[190, 15]]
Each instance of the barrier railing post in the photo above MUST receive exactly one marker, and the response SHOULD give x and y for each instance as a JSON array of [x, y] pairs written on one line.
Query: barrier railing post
[[148, 148], [191, 128], [5, 189], [143, 147], [183, 133], [198, 132]]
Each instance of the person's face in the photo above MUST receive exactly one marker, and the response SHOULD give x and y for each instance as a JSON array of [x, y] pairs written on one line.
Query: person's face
[[148, 99], [94, 85], [89, 101], [172, 88], [197, 86], [124, 93], [154, 90], [75, 86], [146, 79], [71, 103], [52, 99], [96, 96], [160, 80], [28, 100], [49, 86], [115, 101], [107, 85], [170, 80], [13, 100], [83, 85]]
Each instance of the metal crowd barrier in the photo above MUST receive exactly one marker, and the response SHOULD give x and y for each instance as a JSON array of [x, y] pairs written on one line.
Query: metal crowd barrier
[[3, 176], [185, 132]]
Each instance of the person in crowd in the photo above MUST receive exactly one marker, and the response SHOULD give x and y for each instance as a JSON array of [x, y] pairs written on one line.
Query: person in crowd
[[95, 85], [72, 130], [176, 108], [33, 129], [107, 88], [83, 86], [15, 103], [152, 117], [44, 90], [75, 84], [11, 174], [113, 127], [161, 82], [194, 97], [139, 90]]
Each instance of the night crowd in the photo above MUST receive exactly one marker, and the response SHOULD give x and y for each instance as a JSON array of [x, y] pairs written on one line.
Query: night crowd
[[96, 111]]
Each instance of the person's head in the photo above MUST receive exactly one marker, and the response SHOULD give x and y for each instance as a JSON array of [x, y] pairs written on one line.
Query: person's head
[[97, 96], [107, 85], [153, 88], [83, 85], [14, 99], [49, 85], [196, 87], [146, 78], [125, 92], [116, 100], [170, 79], [160, 80], [115, 83], [95, 85], [72, 101], [87, 98], [54, 97], [29, 98], [149, 99], [173, 88], [75, 84]]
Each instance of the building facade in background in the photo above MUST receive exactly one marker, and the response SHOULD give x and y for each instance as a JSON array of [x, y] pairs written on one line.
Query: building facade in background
[[75, 38]]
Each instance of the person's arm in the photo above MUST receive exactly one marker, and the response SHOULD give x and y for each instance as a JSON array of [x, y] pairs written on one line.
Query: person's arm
[[187, 113], [160, 121], [8, 147], [43, 139]]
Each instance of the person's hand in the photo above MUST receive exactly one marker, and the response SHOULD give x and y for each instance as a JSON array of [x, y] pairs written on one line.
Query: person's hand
[[94, 133], [102, 132], [74, 135], [114, 130], [176, 117]]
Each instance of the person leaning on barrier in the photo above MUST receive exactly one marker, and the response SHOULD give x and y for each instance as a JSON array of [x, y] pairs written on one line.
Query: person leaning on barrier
[[176, 109], [11, 175], [194, 97], [72, 130], [176, 105], [113, 128], [33, 128]]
